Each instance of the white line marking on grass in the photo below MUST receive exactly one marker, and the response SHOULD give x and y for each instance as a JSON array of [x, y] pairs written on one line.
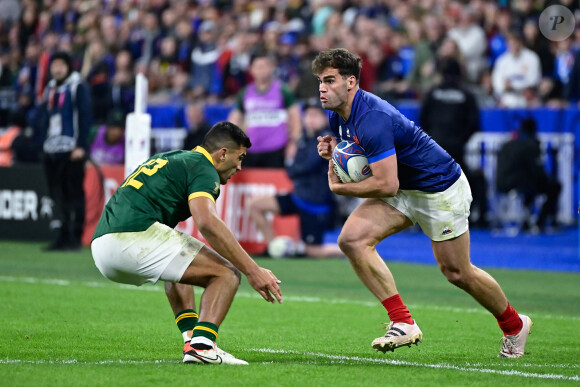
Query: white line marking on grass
[[80, 362], [306, 299], [340, 359], [334, 359], [469, 368]]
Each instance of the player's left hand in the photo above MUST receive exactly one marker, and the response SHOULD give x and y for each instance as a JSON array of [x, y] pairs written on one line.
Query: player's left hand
[[265, 283]]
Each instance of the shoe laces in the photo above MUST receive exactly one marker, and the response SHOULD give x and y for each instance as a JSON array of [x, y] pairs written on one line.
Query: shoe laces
[[508, 345], [387, 325]]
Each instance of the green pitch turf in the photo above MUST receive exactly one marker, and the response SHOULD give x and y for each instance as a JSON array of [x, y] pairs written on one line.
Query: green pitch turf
[[62, 324]]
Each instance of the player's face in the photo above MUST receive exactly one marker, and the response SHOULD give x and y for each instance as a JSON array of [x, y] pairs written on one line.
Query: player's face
[[232, 163], [333, 89]]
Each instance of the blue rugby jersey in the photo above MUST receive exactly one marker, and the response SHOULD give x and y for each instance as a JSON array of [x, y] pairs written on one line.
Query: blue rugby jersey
[[383, 131]]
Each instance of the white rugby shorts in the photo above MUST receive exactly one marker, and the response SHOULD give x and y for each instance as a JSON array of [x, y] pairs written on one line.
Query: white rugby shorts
[[158, 253], [441, 215]]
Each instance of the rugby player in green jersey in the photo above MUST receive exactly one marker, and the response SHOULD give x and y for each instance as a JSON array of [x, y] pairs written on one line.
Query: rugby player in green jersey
[[135, 241]]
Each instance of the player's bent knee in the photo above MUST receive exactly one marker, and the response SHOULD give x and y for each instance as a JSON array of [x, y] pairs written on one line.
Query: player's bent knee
[[457, 277], [350, 243]]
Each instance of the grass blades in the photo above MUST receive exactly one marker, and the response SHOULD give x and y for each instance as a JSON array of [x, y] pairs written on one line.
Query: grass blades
[[63, 324]]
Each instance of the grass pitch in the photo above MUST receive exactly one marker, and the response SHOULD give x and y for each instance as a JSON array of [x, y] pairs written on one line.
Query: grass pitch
[[63, 324]]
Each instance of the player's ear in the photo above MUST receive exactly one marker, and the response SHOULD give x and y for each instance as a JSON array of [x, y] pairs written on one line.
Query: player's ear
[[351, 82], [222, 153]]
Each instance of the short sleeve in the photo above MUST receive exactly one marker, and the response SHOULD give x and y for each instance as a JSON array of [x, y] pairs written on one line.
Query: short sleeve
[[204, 182], [375, 133]]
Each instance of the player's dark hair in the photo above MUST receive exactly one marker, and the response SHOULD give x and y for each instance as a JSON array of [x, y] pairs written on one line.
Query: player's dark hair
[[225, 134], [341, 59]]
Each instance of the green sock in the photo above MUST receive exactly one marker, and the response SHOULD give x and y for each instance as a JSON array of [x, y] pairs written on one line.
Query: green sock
[[186, 320], [206, 329]]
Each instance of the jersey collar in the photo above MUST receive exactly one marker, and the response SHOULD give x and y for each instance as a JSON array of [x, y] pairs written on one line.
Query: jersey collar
[[205, 153]]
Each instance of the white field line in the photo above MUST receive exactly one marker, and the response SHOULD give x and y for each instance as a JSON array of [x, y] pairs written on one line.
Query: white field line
[[334, 359], [468, 368], [252, 295]]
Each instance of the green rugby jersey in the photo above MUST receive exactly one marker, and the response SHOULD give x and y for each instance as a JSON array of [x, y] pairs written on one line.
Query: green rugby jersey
[[160, 191]]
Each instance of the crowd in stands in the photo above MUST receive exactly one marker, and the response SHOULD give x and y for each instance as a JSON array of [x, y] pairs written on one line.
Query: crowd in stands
[[194, 51], [200, 52]]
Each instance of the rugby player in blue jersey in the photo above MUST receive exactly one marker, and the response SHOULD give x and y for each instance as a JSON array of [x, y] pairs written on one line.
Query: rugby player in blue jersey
[[413, 181]]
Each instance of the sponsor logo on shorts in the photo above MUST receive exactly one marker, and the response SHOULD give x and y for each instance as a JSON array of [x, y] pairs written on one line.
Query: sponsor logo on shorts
[[446, 231]]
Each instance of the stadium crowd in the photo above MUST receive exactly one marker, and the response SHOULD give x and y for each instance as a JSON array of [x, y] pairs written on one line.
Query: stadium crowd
[[200, 50]]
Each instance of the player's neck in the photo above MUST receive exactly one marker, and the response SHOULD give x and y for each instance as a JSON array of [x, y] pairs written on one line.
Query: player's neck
[[344, 111]]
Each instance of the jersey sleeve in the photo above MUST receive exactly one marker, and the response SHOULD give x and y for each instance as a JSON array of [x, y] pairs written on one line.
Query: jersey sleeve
[[376, 135], [204, 182]]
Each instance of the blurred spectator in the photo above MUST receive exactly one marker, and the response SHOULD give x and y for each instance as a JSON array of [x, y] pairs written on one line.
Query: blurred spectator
[[562, 70], [122, 89], [150, 38], [520, 168], [27, 24], [450, 115], [392, 71], [497, 41], [65, 125], [311, 199], [108, 147], [420, 78], [472, 43], [538, 43], [98, 69], [516, 74], [197, 126], [48, 46], [204, 75], [307, 86], [287, 61], [185, 42], [234, 61], [522, 11], [266, 110]]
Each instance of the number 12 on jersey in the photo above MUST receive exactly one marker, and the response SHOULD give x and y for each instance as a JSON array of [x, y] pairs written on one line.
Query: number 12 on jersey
[[149, 168]]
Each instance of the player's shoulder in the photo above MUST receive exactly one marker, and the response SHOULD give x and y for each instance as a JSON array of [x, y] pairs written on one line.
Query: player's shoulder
[[372, 109], [369, 102], [185, 158]]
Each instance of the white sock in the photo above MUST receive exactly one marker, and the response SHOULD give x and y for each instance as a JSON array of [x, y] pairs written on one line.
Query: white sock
[[201, 340]]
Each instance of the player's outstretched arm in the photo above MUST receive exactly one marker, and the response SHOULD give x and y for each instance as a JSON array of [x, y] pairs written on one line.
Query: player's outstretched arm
[[219, 236]]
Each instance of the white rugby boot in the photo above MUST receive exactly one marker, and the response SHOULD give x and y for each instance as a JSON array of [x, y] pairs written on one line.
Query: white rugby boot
[[398, 335]]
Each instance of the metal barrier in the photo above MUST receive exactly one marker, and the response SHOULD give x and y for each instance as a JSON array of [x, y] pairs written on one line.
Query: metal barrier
[[558, 154], [166, 139]]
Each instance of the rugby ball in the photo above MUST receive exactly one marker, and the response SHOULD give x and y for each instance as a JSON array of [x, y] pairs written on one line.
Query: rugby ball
[[350, 162], [282, 247]]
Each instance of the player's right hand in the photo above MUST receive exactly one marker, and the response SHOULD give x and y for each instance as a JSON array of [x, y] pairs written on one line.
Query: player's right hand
[[325, 146], [266, 283]]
